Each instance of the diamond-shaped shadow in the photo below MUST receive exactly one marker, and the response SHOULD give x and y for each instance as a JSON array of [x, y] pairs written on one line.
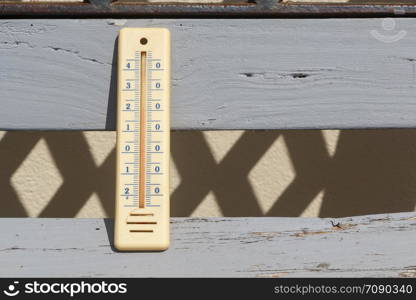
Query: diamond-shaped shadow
[[35, 183]]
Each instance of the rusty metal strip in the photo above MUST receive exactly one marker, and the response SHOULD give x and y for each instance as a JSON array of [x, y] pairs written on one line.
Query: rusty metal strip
[[230, 8]]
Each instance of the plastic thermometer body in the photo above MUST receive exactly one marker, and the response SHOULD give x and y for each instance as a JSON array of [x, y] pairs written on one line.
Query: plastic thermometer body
[[143, 129]]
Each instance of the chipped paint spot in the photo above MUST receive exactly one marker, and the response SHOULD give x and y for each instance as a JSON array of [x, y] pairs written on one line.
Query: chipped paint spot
[[117, 22], [273, 275], [409, 273]]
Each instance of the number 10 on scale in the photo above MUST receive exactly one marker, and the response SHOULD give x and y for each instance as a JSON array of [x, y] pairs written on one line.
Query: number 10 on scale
[[142, 178]]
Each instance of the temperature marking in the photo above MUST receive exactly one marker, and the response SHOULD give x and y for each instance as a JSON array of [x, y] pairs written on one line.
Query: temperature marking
[[142, 178]]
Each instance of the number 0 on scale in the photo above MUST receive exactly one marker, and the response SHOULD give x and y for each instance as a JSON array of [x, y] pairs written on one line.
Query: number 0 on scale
[[142, 179]]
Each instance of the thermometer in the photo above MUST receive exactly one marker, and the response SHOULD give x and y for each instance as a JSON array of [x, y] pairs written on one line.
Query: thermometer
[[142, 178]]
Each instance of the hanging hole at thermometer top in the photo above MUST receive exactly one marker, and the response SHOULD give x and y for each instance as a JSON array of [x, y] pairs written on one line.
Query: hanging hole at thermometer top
[[143, 41]]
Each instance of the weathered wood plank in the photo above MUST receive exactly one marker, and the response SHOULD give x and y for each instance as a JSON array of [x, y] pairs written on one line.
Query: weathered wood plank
[[211, 8], [378, 245], [227, 74]]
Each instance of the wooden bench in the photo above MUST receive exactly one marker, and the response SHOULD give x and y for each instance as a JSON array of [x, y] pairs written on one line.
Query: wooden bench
[[227, 74]]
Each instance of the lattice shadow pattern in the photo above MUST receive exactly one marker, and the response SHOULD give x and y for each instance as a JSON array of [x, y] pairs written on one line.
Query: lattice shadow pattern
[[370, 172]]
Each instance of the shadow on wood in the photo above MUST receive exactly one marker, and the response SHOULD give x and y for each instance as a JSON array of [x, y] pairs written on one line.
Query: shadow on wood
[[371, 172], [111, 121]]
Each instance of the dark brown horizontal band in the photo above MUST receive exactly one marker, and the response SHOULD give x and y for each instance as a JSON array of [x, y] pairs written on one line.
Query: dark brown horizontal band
[[228, 8]]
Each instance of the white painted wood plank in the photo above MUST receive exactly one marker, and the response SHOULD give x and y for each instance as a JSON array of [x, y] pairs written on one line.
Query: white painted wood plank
[[227, 74], [375, 246]]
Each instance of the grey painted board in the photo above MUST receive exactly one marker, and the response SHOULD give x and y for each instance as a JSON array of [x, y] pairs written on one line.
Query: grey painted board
[[378, 245], [227, 74]]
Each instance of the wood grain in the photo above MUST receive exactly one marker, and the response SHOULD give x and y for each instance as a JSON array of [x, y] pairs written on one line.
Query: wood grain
[[374, 246], [226, 74]]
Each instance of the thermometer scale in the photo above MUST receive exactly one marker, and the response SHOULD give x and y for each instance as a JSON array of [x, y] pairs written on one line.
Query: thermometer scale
[[142, 178]]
